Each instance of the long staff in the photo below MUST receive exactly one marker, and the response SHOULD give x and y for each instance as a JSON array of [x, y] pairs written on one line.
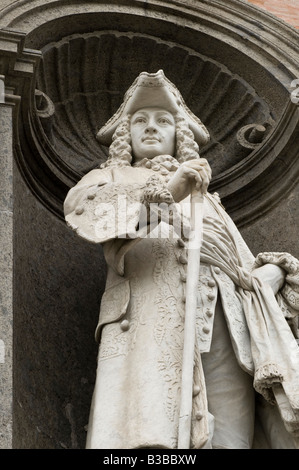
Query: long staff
[[194, 247]]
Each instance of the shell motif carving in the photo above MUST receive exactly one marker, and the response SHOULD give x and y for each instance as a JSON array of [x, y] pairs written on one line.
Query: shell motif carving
[[87, 75]]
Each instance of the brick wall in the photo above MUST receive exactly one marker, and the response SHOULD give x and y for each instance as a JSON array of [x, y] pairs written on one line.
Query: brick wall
[[287, 10]]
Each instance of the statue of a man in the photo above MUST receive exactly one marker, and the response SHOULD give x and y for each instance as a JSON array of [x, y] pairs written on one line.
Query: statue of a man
[[137, 206]]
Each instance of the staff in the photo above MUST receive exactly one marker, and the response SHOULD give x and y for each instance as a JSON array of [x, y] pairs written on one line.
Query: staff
[[195, 241]]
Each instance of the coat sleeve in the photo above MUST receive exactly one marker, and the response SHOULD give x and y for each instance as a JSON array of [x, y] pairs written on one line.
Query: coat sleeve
[[100, 209], [85, 187], [104, 208]]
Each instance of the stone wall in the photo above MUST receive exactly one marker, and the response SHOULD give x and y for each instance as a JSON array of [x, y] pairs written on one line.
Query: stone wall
[[6, 274], [59, 282], [287, 10]]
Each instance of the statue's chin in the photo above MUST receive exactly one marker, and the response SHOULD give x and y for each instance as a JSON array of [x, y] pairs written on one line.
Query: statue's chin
[[151, 148]]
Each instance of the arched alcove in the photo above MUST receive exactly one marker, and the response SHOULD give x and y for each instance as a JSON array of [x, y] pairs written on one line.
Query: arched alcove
[[237, 65]]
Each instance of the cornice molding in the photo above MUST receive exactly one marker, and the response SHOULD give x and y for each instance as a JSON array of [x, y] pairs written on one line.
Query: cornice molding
[[18, 65]]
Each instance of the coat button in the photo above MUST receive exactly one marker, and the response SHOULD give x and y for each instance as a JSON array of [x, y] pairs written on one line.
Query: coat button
[[211, 283], [91, 195], [209, 313], [183, 277], [196, 390], [211, 297], [206, 329], [181, 243], [217, 270], [79, 210], [183, 259], [198, 415], [125, 325]]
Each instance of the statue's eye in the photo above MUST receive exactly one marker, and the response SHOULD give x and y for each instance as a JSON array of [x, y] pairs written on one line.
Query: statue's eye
[[139, 120], [164, 120]]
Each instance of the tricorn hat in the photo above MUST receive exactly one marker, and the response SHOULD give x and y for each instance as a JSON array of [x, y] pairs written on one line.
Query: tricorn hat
[[153, 90]]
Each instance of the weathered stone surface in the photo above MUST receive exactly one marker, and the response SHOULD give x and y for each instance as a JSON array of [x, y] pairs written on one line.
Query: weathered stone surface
[[6, 323], [58, 286], [278, 228], [6, 161], [6, 276]]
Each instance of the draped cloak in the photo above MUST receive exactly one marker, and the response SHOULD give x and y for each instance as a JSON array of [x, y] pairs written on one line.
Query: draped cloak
[[141, 324]]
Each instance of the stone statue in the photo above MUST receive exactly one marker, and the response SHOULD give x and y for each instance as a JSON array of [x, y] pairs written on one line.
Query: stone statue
[[245, 384]]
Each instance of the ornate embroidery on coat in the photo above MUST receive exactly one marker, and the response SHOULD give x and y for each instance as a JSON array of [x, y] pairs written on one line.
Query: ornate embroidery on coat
[[113, 342], [116, 342], [169, 330]]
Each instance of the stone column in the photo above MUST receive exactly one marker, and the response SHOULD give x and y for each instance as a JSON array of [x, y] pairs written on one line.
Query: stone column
[[6, 269], [17, 68]]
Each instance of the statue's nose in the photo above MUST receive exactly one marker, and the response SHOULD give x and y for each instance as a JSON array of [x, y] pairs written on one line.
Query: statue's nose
[[151, 128]]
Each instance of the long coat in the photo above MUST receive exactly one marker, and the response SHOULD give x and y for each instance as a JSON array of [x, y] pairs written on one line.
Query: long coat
[[141, 324]]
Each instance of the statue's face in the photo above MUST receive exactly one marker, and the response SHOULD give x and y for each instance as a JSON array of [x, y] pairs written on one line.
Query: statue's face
[[152, 133]]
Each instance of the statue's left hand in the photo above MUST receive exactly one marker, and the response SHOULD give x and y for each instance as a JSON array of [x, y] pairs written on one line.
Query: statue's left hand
[[272, 275]]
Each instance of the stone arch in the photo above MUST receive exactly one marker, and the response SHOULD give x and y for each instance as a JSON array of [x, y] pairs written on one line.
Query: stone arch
[[251, 46], [237, 64]]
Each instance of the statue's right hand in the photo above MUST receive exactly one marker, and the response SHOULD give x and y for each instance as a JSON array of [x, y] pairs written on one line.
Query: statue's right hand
[[192, 174]]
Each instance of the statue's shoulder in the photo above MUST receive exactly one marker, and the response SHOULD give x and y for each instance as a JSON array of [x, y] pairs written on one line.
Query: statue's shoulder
[[215, 199], [116, 174], [130, 175], [96, 176]]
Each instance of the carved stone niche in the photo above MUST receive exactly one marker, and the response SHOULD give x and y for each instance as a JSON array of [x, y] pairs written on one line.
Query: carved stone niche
[[234, 66], [238, 81], [87, 90]]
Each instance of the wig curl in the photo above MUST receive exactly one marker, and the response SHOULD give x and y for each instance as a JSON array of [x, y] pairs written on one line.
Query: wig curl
[[120, 151]]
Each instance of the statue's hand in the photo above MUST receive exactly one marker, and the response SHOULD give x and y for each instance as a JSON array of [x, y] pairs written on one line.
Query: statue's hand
[[272, 275], [192, 174]]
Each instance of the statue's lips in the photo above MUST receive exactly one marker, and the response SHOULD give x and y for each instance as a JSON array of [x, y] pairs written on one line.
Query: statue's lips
[[150, 139]]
